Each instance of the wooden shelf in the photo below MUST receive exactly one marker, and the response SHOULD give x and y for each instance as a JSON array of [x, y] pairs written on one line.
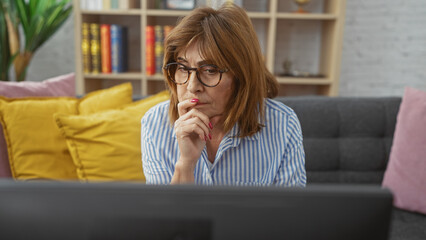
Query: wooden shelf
[[165, 13], [307, 16], [327, 21], [304, 81], [156, 77], [136, 12], [265, 15], [125, 75]]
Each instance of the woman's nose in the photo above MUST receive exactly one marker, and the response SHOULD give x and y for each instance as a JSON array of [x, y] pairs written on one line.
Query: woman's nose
[[193, 84]]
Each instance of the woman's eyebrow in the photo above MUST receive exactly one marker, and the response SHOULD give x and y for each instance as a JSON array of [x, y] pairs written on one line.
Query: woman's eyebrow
[[202, 62], [183, 60]]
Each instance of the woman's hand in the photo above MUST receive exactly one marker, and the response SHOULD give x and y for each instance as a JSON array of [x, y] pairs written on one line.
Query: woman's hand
[[192, 131]]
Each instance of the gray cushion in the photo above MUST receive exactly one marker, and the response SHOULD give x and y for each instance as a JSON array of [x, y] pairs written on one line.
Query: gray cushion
[[346, 140]]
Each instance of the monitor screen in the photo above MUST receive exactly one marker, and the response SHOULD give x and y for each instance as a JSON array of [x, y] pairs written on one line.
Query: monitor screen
[[71, 210]]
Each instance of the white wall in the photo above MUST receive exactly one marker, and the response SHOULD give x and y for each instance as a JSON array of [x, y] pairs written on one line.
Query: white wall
[[384, 49]]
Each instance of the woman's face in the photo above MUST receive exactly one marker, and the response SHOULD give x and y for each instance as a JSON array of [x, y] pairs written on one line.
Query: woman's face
[[212, 100]]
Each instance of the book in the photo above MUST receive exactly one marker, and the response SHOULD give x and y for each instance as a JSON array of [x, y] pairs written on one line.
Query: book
[[85, 47], [180, 4], [99, 5], [159, 48], [127, 4], [150, 50], [95, 48], [114, 4], [93, 5], [106, 4], [123, 4], [90, 5], [106, 48], [118, 48]]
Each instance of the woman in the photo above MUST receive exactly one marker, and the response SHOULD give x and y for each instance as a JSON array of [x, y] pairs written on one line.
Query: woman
[[220, 125]]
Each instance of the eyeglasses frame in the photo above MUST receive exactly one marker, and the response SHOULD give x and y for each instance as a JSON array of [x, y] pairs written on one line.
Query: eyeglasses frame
[[191, 70]]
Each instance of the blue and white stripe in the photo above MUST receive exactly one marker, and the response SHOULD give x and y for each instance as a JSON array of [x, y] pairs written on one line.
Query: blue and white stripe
[[273, 156]]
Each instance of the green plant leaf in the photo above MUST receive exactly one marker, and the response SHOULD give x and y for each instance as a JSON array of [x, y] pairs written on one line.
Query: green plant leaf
[[38, 7], [10, 8], [34, 33], [23, 13], [5, 58], [55, 18]]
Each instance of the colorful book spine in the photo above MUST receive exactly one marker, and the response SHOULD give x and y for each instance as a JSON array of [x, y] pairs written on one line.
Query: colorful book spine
[[118, 48], [159, 48], [85, 47], [114, 4], [106, 48], [150, 50], [95, 48]]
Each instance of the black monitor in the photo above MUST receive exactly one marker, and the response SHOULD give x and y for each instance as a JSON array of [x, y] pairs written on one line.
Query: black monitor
[[58, 210]]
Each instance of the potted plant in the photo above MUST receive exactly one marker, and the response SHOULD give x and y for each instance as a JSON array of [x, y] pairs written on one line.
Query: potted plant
[[5, 57], [38, 20]]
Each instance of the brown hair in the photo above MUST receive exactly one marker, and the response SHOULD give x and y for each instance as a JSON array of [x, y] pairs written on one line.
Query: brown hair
[[227, 38]]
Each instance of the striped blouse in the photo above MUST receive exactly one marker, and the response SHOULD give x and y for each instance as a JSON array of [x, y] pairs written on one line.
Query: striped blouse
[[272, 156]]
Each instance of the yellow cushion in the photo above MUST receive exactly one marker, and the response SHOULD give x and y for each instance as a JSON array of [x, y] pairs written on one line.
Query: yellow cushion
[[106, 99], [106, 146], [37, 149], [35, 146]]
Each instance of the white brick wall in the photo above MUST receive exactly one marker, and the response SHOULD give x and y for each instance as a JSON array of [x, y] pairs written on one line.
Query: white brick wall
[[384, 49]]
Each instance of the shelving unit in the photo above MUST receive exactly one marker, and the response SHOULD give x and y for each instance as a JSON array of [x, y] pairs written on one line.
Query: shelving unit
[[312, 42]]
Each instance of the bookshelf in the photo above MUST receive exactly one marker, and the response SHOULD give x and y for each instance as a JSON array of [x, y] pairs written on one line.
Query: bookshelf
[[312, 42]]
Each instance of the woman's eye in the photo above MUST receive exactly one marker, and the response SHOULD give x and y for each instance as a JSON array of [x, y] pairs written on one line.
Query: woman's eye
[[210, 70], [181, 69]]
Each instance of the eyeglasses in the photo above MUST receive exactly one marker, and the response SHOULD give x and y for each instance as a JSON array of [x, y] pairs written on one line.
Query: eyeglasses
[[209, 75]]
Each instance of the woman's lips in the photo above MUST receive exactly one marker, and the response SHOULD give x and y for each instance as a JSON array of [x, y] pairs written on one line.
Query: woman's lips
[[199, 103]]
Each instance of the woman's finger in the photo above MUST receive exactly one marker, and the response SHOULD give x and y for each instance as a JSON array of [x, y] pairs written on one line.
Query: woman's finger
[[190, 129], [195, 122], [186, 105], [195, 113]]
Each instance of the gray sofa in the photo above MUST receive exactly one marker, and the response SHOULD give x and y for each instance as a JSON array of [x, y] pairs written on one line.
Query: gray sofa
[[348, 141]]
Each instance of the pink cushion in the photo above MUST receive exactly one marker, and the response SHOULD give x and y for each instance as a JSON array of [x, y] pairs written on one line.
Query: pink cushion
[[63, 85], [405, 175], [58, 86]]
